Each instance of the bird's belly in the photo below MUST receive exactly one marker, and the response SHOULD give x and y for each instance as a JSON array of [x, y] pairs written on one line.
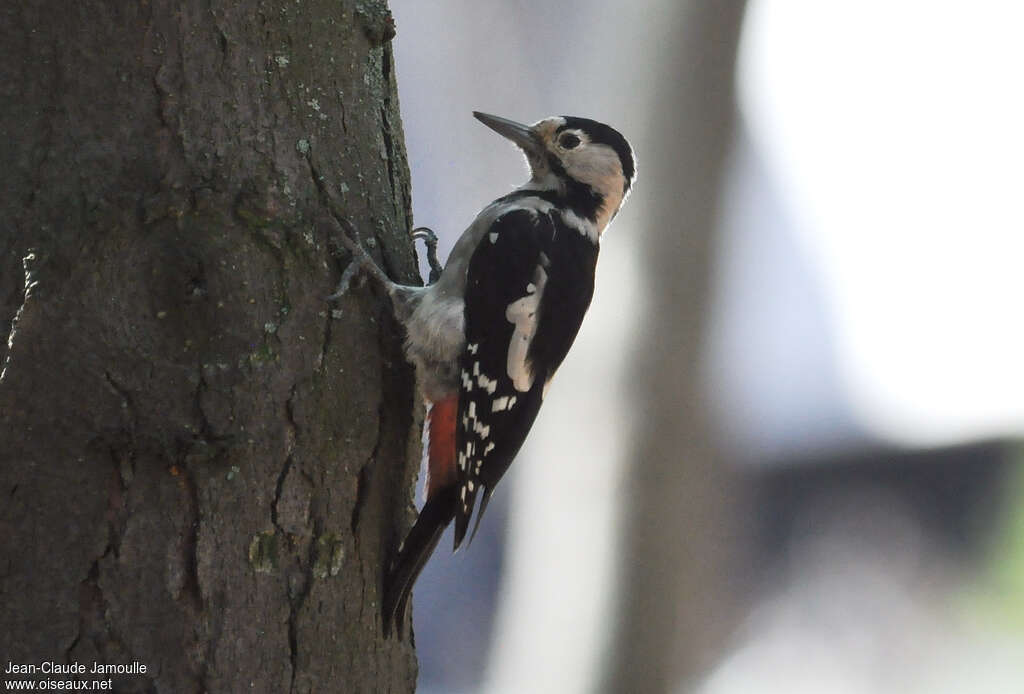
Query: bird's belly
[[435, 339]]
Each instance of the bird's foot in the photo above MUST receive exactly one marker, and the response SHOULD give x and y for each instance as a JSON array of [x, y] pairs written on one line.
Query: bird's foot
[[348, 238], [361, 260], [429, 239]]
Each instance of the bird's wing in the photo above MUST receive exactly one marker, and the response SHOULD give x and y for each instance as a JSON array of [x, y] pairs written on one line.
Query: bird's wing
[[529, 284]]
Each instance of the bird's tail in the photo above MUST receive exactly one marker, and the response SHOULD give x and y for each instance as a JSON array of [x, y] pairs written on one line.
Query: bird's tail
[[416, 549]]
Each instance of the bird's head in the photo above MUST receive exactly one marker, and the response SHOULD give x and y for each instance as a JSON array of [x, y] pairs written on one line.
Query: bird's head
[[588, 162]]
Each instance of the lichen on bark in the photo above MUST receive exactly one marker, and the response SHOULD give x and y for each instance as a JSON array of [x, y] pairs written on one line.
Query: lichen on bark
[[204, 464]]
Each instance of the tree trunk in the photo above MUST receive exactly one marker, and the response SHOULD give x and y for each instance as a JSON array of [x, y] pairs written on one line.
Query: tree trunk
[[204, 464]]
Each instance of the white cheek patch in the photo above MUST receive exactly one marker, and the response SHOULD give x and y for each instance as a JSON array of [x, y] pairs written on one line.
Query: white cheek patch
[[522, 313], [599, 167], [596, 165]]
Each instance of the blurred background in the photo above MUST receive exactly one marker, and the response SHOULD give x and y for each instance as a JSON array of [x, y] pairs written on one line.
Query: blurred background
[[784, 454]]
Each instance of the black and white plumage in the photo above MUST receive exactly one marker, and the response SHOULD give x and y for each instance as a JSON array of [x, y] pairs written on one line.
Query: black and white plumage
[[538, 273], [489, 335]]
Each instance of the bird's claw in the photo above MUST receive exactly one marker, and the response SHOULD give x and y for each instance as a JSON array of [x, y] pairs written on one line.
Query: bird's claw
[[361, 260], [346, 280], [429, 239]]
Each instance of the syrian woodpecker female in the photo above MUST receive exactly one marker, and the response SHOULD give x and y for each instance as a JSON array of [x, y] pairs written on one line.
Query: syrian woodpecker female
[[487, 337]]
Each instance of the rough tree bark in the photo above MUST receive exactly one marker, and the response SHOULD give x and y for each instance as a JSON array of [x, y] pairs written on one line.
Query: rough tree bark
[[204, 463]]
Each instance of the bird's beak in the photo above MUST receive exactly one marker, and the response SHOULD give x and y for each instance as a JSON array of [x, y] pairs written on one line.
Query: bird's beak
[[522, 135]]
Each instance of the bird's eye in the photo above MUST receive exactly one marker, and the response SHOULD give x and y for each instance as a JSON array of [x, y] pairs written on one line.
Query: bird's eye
[[569, 141]]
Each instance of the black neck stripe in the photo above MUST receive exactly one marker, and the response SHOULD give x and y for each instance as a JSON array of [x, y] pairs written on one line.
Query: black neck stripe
[[578, 197]]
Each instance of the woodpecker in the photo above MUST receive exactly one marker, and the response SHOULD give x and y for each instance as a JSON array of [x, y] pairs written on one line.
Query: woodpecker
[[488, 335]]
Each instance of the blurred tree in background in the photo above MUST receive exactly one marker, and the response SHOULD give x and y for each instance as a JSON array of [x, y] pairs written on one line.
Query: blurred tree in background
[[676, 595]]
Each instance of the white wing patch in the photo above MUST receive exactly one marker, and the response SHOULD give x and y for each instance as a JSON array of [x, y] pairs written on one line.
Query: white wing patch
[[487, 384], [523, 314], [505, 402]]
